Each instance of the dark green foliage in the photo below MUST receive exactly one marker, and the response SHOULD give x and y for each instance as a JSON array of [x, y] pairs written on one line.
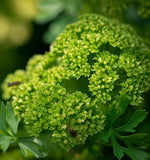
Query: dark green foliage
[[123, 142]]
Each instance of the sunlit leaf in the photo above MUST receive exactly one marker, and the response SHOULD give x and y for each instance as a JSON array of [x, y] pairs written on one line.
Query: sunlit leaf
[[5, 141], [23, 149], [31, 144], [3, 119], [11, 118], [49, 10]]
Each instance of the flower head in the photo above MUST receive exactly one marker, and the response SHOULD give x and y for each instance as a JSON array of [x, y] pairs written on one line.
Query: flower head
[[89, 67]]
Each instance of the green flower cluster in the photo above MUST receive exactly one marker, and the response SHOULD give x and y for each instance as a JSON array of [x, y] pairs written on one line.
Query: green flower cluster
[[89, 67], [18, 76], [70, 118]]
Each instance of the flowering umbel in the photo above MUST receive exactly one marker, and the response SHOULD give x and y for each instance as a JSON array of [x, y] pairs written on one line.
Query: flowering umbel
[[89, 67]]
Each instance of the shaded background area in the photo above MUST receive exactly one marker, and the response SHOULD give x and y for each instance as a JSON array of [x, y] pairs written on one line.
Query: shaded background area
[[28, 27], [12, 59]]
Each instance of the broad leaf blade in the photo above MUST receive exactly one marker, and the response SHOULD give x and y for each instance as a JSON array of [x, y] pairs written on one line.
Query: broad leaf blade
[[49, 10], [139, 139], [31, 139], [117, 148], [116, 111], [3, 126], [11, 118], [137, 154], [4, 142], [105, 135], [123, 104], [31, 145], [23, 149], [137, 117]]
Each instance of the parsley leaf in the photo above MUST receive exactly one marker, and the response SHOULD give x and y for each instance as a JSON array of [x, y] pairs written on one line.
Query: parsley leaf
[[112, 134], [8, 133], [137, 117]]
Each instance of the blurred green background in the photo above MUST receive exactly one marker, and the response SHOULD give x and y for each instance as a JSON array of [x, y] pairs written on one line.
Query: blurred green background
[[28, 27]]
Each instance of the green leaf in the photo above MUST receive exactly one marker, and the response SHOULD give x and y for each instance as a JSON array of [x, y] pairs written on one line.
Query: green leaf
[[93, 151], [137, 154], [56, 27], [105, 135], [116, 111], [5, 141], [49, 10], [23, 149], [3, 126], [12, 120], [123, 104], [31, 144], [137, 138], [48, 4], [137, 117], [117, 148]]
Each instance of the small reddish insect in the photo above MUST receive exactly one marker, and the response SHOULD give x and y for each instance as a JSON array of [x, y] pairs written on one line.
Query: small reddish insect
[[14, 83], [71, 131]]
